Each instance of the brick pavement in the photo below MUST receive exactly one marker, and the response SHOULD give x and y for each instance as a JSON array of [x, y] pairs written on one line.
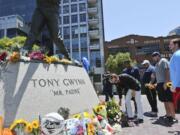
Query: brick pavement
[[147, 128]]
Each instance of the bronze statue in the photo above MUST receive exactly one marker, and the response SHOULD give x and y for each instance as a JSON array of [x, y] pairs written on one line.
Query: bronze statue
[[46, 13]]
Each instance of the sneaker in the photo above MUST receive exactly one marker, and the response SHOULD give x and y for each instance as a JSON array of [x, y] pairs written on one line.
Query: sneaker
[[163, 117], [139, 121], [150, 114], [172, 120], [153, 114]]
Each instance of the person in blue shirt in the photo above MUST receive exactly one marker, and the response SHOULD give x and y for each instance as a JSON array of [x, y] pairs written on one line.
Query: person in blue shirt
[[149, 78], [131, 70], [174, 46]]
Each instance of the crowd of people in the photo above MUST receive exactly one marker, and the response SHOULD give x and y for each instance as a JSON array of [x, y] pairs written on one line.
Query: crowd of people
[[160, 78]]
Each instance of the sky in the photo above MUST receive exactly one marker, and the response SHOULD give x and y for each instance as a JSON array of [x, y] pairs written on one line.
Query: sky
[[141, 17]]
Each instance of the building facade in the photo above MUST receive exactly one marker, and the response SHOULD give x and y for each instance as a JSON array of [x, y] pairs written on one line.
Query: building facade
[[140, 47], [82, 29], [12, 25]]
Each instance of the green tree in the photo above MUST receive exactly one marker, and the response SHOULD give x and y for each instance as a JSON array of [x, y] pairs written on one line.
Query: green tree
[[115, 63]]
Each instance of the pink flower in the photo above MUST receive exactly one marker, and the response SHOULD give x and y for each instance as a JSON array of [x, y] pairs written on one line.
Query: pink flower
[[36, 56]]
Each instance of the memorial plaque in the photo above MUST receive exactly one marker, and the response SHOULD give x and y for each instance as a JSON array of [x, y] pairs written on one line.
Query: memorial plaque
[[28, 90]]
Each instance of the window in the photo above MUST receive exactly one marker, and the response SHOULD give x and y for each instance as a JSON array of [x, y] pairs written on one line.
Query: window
[[75, 44], [83, 40], [67, 43], [95, 58], [82, 7], [75, 55], [84, 53], [75, 31], [82, 17], [66, 9], [65, 1], [83, 29], [66, 19], [73, 0], [148, 49], [97, 78], [66, 32], [1, 33], [74, 19], [73, 8]]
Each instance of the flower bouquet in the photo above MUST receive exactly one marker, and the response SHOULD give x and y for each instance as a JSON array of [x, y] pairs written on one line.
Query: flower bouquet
[[22, 127], [113, 112], [36, 55], [14, 57]]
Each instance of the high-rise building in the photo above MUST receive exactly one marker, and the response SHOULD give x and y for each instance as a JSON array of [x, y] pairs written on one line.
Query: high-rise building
[[81, 27]]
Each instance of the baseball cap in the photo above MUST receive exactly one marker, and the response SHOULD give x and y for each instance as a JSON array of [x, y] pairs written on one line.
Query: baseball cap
[[145, 62], [156, 54]]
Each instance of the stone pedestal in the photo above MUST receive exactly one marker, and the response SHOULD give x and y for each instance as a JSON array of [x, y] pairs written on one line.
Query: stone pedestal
[[28, 90]]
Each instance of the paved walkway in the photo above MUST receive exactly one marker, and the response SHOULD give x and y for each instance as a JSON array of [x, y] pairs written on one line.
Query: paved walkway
[[147, 128]]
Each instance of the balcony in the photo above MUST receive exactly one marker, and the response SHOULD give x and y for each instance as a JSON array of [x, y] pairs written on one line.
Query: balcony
[[92, 1], [94, 34], [94, 47], [93, 10], [93, 22]]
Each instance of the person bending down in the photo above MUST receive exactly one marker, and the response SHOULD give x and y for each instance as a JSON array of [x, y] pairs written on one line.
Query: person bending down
[[127, 82]]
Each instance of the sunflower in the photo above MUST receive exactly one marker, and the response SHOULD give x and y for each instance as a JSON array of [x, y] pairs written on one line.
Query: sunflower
[[169, 84], [29, 128], [77, 116], [18, 122], [35, 124]]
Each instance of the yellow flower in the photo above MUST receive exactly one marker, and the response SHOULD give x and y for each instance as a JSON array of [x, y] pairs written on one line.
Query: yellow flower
[[98, 108], [91, 129], [65, 61], [51, 59], [169, 84], [35, 124], [77, 116], [29, 128], [14, 57], [18, 122], [87, 115], [13, 126]]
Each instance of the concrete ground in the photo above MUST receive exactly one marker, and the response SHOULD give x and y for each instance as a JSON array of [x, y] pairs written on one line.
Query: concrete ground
[[148, 128]]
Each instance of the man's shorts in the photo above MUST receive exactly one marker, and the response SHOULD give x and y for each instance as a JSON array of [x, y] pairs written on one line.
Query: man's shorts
[[164, 95]]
